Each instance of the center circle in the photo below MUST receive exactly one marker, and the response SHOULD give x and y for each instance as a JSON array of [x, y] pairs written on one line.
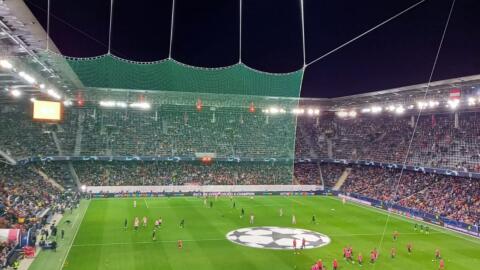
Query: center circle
[[277, 238]]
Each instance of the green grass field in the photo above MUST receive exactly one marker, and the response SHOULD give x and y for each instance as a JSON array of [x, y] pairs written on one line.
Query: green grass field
[[102, 243]]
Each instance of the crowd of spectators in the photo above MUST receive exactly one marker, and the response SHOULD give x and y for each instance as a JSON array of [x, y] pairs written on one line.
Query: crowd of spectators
[[57, 171], [325, 174], [308, 174], [331, 173], [439, 140], [447, 196], [119, 173], [182, 132], [20, 137], [24, 196]]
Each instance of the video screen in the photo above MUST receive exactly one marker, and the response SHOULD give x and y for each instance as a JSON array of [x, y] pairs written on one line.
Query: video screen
[[47, 110]]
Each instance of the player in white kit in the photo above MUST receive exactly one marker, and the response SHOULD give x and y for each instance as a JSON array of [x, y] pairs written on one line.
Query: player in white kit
[[294, 220], [136, 222]]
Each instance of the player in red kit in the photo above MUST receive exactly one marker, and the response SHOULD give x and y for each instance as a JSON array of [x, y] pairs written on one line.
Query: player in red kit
[[320, 264], [345, 252], [441, 266], [335, 264], [360, 258], [348, 254], [304, 243]]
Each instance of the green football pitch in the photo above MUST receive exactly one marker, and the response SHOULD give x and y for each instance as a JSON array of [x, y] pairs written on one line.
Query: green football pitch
[[96, 238]]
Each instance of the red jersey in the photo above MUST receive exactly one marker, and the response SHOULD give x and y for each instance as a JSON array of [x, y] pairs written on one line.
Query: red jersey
[[442, 264], [294, 243], [335, 263], [360, 258], [320, 264]]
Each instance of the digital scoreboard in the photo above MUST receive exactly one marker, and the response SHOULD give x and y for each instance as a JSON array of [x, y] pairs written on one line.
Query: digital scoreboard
[[47, 111]]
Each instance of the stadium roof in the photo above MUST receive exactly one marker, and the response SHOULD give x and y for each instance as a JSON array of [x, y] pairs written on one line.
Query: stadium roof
[[21, 39], [437, 89]]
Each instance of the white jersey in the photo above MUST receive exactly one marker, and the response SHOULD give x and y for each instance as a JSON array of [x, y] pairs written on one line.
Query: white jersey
[[294, 220], [281, 212], [252, 219], [135, 204]]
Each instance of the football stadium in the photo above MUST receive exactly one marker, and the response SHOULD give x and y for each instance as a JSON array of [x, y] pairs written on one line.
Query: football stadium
[[111, 162]]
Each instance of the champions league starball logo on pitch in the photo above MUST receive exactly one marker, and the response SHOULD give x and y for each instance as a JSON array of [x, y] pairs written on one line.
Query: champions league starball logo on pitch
[[277, 238]]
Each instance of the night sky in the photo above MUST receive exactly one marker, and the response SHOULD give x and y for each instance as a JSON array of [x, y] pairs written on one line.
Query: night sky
[[206, 33]]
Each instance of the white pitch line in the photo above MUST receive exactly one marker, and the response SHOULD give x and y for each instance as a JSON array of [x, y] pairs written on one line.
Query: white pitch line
[[75, 220], [146, 204], [74, 236]]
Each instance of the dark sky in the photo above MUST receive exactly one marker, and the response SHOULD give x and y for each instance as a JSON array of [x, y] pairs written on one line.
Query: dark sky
[[206, 34]]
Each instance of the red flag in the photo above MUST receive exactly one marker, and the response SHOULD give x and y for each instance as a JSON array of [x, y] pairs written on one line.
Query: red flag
[[455, 93], [80, 100], [199, 105], [251, 108]]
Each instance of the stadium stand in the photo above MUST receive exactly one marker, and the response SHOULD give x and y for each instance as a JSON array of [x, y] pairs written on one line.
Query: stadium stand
[[437, 142], [178, 133], [59, 172], [23, 138], [181, 173], [448, 196]]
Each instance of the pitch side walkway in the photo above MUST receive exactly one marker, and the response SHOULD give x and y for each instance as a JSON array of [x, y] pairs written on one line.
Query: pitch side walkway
[[52, 260]]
